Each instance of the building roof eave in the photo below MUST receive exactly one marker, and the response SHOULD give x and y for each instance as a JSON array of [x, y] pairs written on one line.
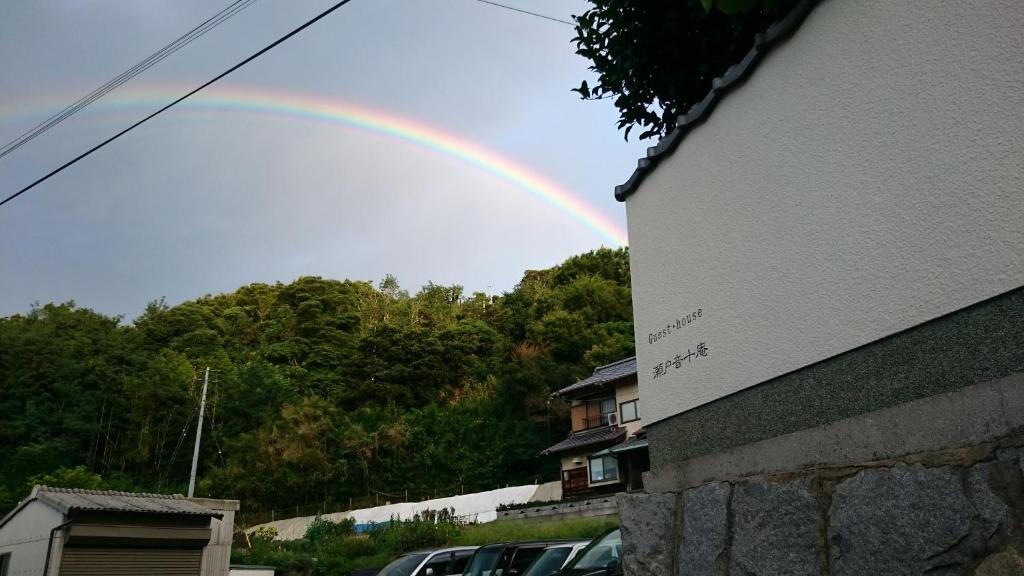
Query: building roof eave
[[733, 77], [587, 438], [607, 374]]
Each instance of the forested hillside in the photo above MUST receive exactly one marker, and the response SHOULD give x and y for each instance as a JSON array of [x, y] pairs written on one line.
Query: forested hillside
[[321, 391]]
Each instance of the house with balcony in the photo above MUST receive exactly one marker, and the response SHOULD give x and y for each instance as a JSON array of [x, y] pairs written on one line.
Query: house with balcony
[[606, 451]]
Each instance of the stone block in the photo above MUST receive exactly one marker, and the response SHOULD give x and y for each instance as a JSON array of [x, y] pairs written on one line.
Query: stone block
[[1013, 456], [647, 522], [1006, 563], [913, 520], [705, 530], [993, 515], [775, 529]]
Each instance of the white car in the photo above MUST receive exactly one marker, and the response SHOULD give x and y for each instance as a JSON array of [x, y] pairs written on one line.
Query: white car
[[441, 562], [554, 558]]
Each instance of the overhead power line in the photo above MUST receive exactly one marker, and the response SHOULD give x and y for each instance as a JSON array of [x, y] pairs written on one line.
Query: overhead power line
[[266, 49], [140, 67], [513, 8]]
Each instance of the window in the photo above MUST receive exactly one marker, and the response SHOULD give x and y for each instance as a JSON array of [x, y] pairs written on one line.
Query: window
[[523, 558], [629, 412], [599, 553], [592, 413], [484, 561], [438, 566], [5, 563], [460, 560], [549, 562], [402, 565], [603, 469]]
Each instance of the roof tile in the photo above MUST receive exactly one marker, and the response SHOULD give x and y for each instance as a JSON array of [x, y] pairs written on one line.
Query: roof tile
[[603, 375], [588, 438]]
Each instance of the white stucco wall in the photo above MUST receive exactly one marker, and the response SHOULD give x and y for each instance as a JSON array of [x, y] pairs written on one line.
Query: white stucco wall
[[866, 178], [27, 535]]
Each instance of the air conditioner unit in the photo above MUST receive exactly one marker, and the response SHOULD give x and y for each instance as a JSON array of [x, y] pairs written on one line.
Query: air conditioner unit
[[577, 460], [612, 419]]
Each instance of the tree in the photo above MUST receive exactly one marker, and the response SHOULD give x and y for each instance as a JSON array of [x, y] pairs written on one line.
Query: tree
[[321, 391], [658, 57]]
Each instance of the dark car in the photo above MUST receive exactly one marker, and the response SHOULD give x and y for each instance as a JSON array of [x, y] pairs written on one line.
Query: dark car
[[603, 557], [506, 559]]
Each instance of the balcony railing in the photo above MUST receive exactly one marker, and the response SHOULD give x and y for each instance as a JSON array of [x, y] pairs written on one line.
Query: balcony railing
[[591, 422]]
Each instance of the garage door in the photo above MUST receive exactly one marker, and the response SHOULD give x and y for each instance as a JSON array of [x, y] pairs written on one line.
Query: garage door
[[85, 561]]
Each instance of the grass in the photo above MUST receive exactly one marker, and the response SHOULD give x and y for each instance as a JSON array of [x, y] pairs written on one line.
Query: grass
[[512, 530], [335, 551]]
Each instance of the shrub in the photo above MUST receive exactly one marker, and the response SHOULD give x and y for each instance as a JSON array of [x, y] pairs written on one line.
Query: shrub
[[322, 529], [426, 530], [264, 533]]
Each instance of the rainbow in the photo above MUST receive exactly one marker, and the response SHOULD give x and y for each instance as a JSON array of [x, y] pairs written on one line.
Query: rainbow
[[346, 114]]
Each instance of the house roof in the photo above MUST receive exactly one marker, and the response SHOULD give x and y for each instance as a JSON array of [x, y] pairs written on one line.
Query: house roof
[[602, 375], [65, 500], [631, 444], [588, 438], [734, 76]]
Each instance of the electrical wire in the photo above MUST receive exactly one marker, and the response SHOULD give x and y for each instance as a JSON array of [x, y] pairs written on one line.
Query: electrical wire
[[174, 455], [513, 8], [140, 67], [88, 152]]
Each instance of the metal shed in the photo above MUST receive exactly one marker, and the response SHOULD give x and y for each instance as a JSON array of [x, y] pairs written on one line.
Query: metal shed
[[71, 532]]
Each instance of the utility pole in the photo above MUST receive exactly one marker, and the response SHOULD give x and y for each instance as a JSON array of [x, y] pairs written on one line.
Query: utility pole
[[199, 435]]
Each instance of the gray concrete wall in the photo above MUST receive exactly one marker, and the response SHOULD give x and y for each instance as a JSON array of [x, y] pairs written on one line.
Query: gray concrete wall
[[982, 343], [217, 554], [973, 416]]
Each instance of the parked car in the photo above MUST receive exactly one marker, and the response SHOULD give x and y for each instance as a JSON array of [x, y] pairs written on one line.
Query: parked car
[[602, 557], [442, 562], [506, 559], [554, 558]]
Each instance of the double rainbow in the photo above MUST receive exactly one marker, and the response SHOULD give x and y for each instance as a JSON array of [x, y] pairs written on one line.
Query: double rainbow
[[263, 101]]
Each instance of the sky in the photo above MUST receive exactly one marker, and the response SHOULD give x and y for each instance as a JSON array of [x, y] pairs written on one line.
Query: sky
[[435, 140]]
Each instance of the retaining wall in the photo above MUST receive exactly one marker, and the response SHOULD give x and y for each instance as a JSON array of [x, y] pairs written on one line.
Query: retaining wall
[[934, 486], [601, 506]]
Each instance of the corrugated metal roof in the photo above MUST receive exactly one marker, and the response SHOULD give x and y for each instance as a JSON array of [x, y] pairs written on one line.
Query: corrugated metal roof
[[67, 499], [588, 438], [603, 375]]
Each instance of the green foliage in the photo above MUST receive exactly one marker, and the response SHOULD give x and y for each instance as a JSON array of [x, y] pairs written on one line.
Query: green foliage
[[321, 529], [430, 529], [263, 533], [77, 477], [657, 58], [339, 554], [323, 392], [569, 529]]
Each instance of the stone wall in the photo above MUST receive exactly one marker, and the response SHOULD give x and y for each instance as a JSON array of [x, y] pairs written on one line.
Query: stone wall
[[955, 511]]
